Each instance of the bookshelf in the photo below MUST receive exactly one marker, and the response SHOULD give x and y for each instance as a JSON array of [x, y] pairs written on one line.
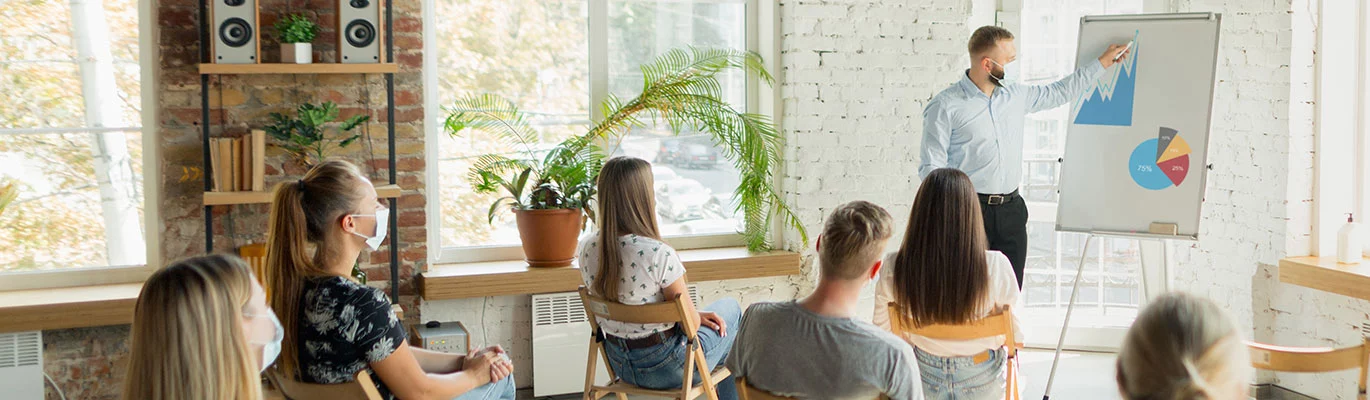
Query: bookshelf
[[232, 198], [317, 68], [388, 189]]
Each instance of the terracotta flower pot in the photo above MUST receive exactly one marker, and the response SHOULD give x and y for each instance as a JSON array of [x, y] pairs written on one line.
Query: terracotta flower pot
[[549, 236]]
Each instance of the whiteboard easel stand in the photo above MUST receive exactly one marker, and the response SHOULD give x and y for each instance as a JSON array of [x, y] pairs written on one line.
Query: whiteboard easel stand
[[1158, 232]]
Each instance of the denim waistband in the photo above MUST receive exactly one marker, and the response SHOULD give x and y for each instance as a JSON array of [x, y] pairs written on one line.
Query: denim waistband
[[958, 361]]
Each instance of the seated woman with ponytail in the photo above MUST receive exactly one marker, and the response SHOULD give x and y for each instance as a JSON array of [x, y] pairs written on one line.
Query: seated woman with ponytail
[[626, 261], [335, 326], [201, 330], [1183, 347]]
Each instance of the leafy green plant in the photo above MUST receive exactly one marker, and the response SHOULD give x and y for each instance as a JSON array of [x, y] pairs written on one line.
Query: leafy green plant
[[304, 136], [680, 87], [296, 28], [562, 177], [9, 190]]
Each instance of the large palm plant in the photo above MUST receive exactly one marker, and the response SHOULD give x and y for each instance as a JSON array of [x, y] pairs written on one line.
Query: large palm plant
[[680, 87]]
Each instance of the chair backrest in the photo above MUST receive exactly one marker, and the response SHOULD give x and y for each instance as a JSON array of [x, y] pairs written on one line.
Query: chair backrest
[[361, 388], [749, 392], [996, 324], [670, 311], [1309, 359], [255, 255]]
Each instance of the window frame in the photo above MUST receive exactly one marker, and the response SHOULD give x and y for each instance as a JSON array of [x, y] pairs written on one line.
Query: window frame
[[1340, 132], [148, 53], [761, 35]]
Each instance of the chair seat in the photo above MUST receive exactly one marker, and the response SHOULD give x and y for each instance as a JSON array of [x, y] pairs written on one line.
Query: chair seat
[[619, 386]]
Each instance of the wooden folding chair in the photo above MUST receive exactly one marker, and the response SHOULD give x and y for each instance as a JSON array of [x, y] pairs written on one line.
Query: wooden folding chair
[[255, 255], [361, 388], [749, 392], [1315, 359], [666, 312], [997, 324]]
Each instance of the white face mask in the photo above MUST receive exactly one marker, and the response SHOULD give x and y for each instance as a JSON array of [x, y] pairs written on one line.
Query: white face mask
[[272, 348], [382, 223], [1010, 75]]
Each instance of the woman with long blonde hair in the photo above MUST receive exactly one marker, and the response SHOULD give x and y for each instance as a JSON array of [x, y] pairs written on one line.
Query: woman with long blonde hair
[[335, 326], [626, 261], [944, 273], [1183, 347], [201, 330]]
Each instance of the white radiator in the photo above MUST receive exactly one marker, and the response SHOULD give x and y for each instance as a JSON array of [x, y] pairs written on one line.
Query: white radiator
[[561, 342], [21, 365]]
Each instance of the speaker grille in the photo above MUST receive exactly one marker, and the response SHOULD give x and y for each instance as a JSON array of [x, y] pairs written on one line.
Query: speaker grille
[[235, 32], [360, 33]]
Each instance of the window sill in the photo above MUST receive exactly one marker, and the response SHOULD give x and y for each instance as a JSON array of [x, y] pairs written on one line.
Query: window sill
[[1326, 274], [70, 307], [502, 278]]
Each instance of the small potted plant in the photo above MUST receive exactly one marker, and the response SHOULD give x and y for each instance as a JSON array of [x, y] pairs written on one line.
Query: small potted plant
[[549, 190], [304, 136], [296, 33]]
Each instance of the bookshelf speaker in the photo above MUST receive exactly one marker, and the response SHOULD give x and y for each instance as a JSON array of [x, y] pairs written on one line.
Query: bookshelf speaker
[[359, 27], [235, 32]]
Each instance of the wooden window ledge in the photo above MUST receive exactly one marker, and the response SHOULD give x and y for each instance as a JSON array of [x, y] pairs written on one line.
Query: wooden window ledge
[[1326, 274], [502, 278], [72, 307]]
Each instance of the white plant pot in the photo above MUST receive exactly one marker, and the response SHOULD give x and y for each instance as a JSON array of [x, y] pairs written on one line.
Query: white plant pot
[[297, 53]]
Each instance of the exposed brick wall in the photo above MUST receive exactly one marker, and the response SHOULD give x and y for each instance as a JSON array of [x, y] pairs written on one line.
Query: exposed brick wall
[[88, 363]]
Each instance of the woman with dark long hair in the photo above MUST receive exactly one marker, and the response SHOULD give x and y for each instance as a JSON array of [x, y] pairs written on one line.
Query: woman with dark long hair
[[626, 261], [944, 273]]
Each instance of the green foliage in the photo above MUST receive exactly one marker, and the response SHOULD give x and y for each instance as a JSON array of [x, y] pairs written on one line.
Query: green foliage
[[304, 136], [357, 273], [8, 192], [562, 177], [296, 28], [681, 88]]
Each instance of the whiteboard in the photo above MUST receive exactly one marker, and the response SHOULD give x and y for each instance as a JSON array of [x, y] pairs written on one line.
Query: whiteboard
[[1137, 141]]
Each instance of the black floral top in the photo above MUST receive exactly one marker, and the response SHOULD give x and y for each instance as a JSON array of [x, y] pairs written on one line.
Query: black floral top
[[344, 327]]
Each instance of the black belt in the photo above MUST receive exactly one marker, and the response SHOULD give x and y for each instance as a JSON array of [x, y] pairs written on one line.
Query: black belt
[[997, 199], [642, 342]]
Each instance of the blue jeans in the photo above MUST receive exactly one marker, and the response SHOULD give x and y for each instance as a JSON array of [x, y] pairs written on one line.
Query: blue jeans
[[502, 390], [958, 378], [661, 367]]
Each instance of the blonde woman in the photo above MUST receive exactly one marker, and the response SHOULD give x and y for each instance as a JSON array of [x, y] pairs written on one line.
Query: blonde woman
[[627, 260], [1183, 347], [334, 326], [201, 330]]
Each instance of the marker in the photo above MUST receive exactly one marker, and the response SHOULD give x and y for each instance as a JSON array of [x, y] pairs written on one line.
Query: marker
[[1125, 49]]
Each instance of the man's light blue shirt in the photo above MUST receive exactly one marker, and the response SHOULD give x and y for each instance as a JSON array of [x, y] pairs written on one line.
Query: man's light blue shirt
[[983, 135]]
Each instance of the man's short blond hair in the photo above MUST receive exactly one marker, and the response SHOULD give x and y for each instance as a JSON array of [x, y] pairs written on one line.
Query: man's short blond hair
[[987, 38], [853, 239]]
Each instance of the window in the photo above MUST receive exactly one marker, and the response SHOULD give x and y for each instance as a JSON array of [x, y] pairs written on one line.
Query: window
[[71, 140], [1109, 290], [557, 60]]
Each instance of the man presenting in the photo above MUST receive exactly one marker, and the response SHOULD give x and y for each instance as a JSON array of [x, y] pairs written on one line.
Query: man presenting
[[976, 126]]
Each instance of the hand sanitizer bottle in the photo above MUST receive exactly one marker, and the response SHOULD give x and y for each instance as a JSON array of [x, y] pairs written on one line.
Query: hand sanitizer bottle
[[1349, 242]]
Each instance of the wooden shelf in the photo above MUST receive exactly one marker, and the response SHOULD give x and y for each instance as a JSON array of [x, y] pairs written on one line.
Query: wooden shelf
[[227, 198], [500, 278], [279, 68], [1328, 275], [72, 307]]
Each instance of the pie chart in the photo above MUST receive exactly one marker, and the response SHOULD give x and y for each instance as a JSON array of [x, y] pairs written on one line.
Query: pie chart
[[1160, 163]]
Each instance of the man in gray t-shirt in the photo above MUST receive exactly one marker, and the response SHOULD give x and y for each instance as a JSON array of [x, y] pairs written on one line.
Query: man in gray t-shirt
[[813, 348]]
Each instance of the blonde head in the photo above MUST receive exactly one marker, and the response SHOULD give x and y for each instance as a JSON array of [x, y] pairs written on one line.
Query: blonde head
[[304, 215], [187, 337], [1183, 347]]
